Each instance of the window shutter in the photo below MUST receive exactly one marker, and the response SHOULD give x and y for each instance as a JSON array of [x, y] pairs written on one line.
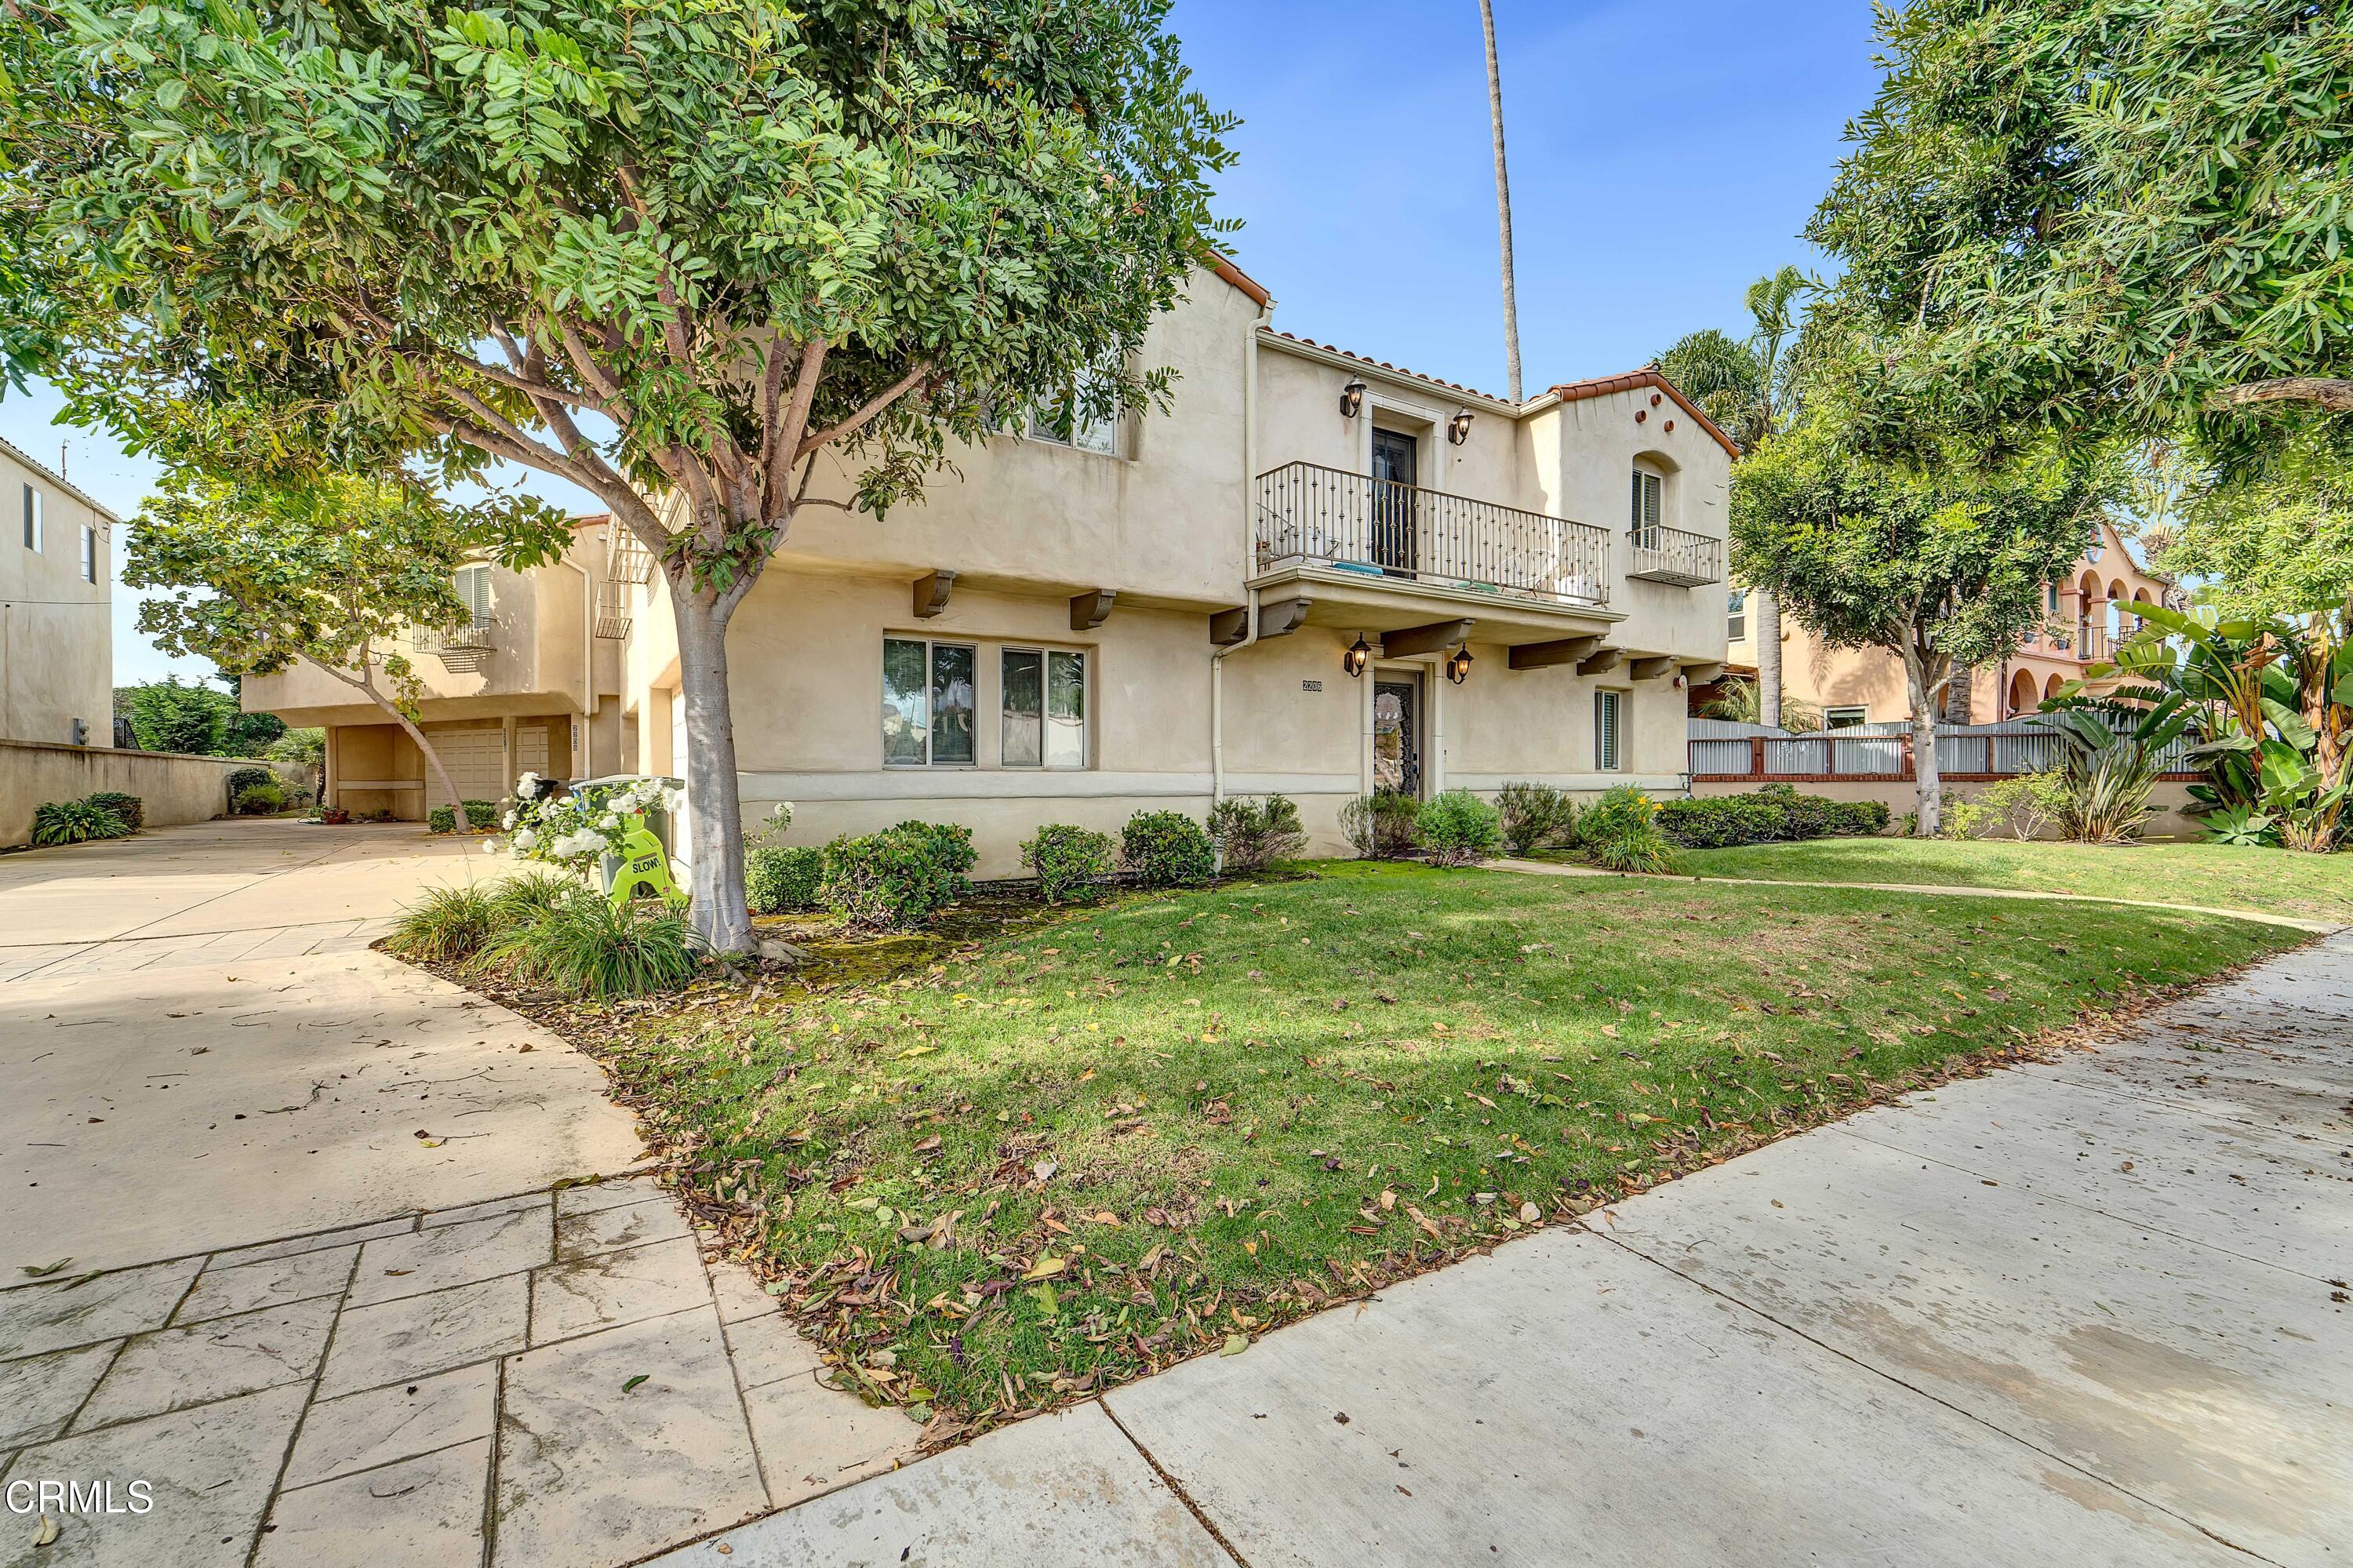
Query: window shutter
[[1651, 486], [1634, 513], [1605, 731]]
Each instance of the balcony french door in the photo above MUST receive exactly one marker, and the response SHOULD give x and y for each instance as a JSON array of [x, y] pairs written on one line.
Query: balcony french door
[[1395, 462]]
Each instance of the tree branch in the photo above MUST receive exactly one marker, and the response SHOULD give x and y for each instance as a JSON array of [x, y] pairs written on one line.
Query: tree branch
[[865, 415], [2331, 392], [783, 440]]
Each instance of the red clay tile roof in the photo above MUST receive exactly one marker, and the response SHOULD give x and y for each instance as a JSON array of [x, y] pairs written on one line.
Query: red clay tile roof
[[1240, 279], [1632, 380], [1384, 365]]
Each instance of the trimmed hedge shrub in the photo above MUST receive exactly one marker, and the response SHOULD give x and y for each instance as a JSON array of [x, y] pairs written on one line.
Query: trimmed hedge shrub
[[1253, 834], [442, 820], [244, 778], [1380, 824], [75, 822], [1458, 828], [1166, 849], [1070, 862], [259, 800], [777, 879], [1776, 813], [1535, 815], [482, 815], [130, 808], [899, 878]]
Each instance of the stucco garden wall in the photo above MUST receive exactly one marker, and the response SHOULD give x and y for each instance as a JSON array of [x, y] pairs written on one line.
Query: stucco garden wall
[[175, 788]]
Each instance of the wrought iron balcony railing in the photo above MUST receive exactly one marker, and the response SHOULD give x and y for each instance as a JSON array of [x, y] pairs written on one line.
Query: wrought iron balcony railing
[[460, 649], [613, 608], [626, 559], [1665, 554], [1312, 515]]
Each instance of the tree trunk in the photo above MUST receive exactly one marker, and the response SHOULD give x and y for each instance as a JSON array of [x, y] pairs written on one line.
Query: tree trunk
[[1922, 691], [424, 747], [1503, 203], [1768, 659], [714, 793]]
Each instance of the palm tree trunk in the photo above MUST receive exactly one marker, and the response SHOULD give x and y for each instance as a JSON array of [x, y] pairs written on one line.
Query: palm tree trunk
[[1502, 202], [1768, 659]]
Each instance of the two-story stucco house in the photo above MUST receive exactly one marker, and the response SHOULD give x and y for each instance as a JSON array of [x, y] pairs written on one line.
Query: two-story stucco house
[[1316, 574], [2085, 614], [57, 648]]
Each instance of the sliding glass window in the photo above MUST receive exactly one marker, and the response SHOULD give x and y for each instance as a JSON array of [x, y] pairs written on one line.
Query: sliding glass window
[[927, 703], [1044, 703]]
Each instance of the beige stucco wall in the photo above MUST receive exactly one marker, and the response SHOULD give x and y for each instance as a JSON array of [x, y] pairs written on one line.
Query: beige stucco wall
[[540, 651], [56, 650], [173, 786]]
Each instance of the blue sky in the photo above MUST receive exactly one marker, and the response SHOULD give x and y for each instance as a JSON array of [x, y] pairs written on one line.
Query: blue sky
[[1662, 157]]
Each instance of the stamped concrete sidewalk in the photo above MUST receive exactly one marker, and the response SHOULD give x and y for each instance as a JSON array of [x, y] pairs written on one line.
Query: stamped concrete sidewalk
[[332, 1274], [2089, 1312]]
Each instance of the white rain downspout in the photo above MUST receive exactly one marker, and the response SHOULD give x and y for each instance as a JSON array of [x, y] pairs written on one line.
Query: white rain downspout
[[1249, 534]]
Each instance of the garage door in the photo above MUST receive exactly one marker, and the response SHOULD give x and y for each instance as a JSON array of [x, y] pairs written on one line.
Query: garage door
[[477, 762]]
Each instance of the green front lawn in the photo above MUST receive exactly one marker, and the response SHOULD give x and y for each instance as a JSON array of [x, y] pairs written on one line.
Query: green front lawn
[[1058, 1149], [2217, 877]]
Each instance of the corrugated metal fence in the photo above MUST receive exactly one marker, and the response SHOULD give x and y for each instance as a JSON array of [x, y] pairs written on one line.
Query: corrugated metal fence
[[1724, 751]]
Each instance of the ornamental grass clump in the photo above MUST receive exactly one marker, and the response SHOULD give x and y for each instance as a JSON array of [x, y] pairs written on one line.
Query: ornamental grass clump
[[447, 926], [591, 949], [75, 822]]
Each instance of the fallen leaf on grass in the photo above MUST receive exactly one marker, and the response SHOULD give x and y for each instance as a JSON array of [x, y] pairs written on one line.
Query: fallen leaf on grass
[[1046, 1267], [1235, 1344]]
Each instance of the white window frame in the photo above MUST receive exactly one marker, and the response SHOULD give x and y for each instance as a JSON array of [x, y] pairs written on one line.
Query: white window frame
[[930, 719], [471, 584], [1609, 731], [89, 554], [1736, 616], [1647, 500], [1046, 653], [1846, 716], [33, 520], [1102, 438]]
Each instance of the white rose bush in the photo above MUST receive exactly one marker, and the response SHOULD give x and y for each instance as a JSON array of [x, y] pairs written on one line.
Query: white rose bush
[[576, 832]]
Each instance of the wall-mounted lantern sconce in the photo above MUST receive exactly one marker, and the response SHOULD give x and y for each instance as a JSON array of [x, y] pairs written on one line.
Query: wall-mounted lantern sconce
[[1458, 668], [1354, 660], [1458, 428], [1352, 400]]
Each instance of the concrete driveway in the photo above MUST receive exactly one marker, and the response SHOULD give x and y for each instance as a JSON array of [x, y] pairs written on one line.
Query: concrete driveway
[[310, 1244], [2093, 1312]]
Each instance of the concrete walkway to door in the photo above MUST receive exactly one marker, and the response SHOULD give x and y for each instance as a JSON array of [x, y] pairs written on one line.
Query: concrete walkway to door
[[282, 1237]]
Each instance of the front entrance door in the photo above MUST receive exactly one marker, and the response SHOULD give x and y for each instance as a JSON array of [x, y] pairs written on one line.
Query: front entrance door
[[1397, 734], [1395, 468]]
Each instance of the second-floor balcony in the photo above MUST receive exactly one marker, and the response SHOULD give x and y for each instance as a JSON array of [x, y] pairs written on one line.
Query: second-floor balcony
[[1317, 517], [462, 649], [1673, 555]]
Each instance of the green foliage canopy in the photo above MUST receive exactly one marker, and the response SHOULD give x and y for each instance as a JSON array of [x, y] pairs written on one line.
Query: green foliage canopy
[[2104, 212]]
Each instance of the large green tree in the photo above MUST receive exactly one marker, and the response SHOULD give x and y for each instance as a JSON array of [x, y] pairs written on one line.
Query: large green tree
[[2107, 214], [1749, 388], [331, 573], [711, 260], [2271, 542], [1941, 563]]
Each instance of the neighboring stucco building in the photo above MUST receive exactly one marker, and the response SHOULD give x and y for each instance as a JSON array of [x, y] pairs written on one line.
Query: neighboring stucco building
[[56, 640], [2086, 614], [1150, 615]]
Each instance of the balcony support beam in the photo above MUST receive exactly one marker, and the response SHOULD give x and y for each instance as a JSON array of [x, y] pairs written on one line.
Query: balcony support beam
[[1651, 668], [1091, 608], [1276, 618], [1601, 662], [932, 591], [1435, 638], [1549, 655], [1702, 674]]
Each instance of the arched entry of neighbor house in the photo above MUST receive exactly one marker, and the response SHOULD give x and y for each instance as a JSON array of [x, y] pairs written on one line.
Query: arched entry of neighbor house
[[2051, 687], [2021, 692]]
